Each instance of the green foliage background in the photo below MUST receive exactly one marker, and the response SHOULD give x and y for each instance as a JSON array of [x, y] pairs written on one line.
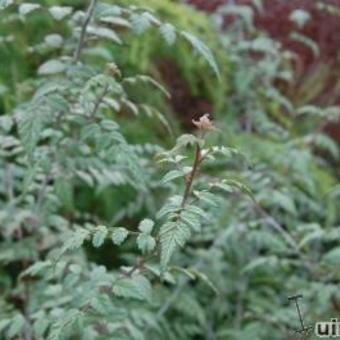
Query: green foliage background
[[123, 219]]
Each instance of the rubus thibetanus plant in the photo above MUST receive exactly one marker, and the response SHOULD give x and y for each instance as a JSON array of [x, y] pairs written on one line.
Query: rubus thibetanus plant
[[115, 224]]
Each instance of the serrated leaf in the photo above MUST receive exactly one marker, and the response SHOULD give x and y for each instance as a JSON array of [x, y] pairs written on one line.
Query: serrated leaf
[[300, 17], [305, 40], [36, 268], [172, 206], [191, 220], [140, 23], [86, 178], [332, 257], [40, 326], [4, 322], [99, 236], [119, 235], [54, 40], [76, 240], [6, 123], [168, 32], [146, 243], [30, 125], [27, 8], [203, 50], [284, 201], [60, 12], [137, 287], [184, 141], [51, 67], [116, 21], [260, 262], [64, 190], [66, 321], [172, 236], [146, 226], [171, 175], [104, 32], [90, 131], [196, 211], [203, 277], [109, 125], [155, 83], [184, 271], [17, 324]]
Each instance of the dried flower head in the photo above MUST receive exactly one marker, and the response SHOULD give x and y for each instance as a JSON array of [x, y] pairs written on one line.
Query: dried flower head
[[112, 70], [204, 123]]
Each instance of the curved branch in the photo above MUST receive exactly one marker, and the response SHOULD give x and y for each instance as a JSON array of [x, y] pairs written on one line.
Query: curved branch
[[87, 19]]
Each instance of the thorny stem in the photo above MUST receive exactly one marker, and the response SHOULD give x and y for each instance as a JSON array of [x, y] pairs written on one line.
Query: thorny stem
[[186, 195], [27, 333], [87, 19], [9, 183], [191, 176]]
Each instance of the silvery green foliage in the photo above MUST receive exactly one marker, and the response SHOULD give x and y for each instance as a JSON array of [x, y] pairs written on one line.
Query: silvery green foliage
[[282, 241], [215, 261], [62, 139]]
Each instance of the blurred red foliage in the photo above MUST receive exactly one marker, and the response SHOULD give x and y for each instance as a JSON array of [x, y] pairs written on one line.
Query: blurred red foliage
[[316, 75], [323, 28], [185, 105]]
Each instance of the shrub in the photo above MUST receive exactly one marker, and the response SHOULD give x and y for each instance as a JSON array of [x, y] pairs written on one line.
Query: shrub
[[111, 230]]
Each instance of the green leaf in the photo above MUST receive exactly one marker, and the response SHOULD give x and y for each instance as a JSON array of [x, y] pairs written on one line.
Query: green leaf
[[40, 325], [4, 322], [65, 322], [203, 277], [196, 211], [184, 141], [27, 8], [305, 40], [51, 67], [54, 40], [184, 271], [284, 201], [173, 174], [146, 243], [300, 17], [99, 236], [137, 287], [104, 32], [116, 22], [332, 257], [168, 32], [17, 325], [119, 235], [172, 235], [64, 191], [173, 205], [203, 50], [76, 240], [146, 226], [60, 12], [30, 126], [36, 268], [191, 220], [5, 3], [141, 22]]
